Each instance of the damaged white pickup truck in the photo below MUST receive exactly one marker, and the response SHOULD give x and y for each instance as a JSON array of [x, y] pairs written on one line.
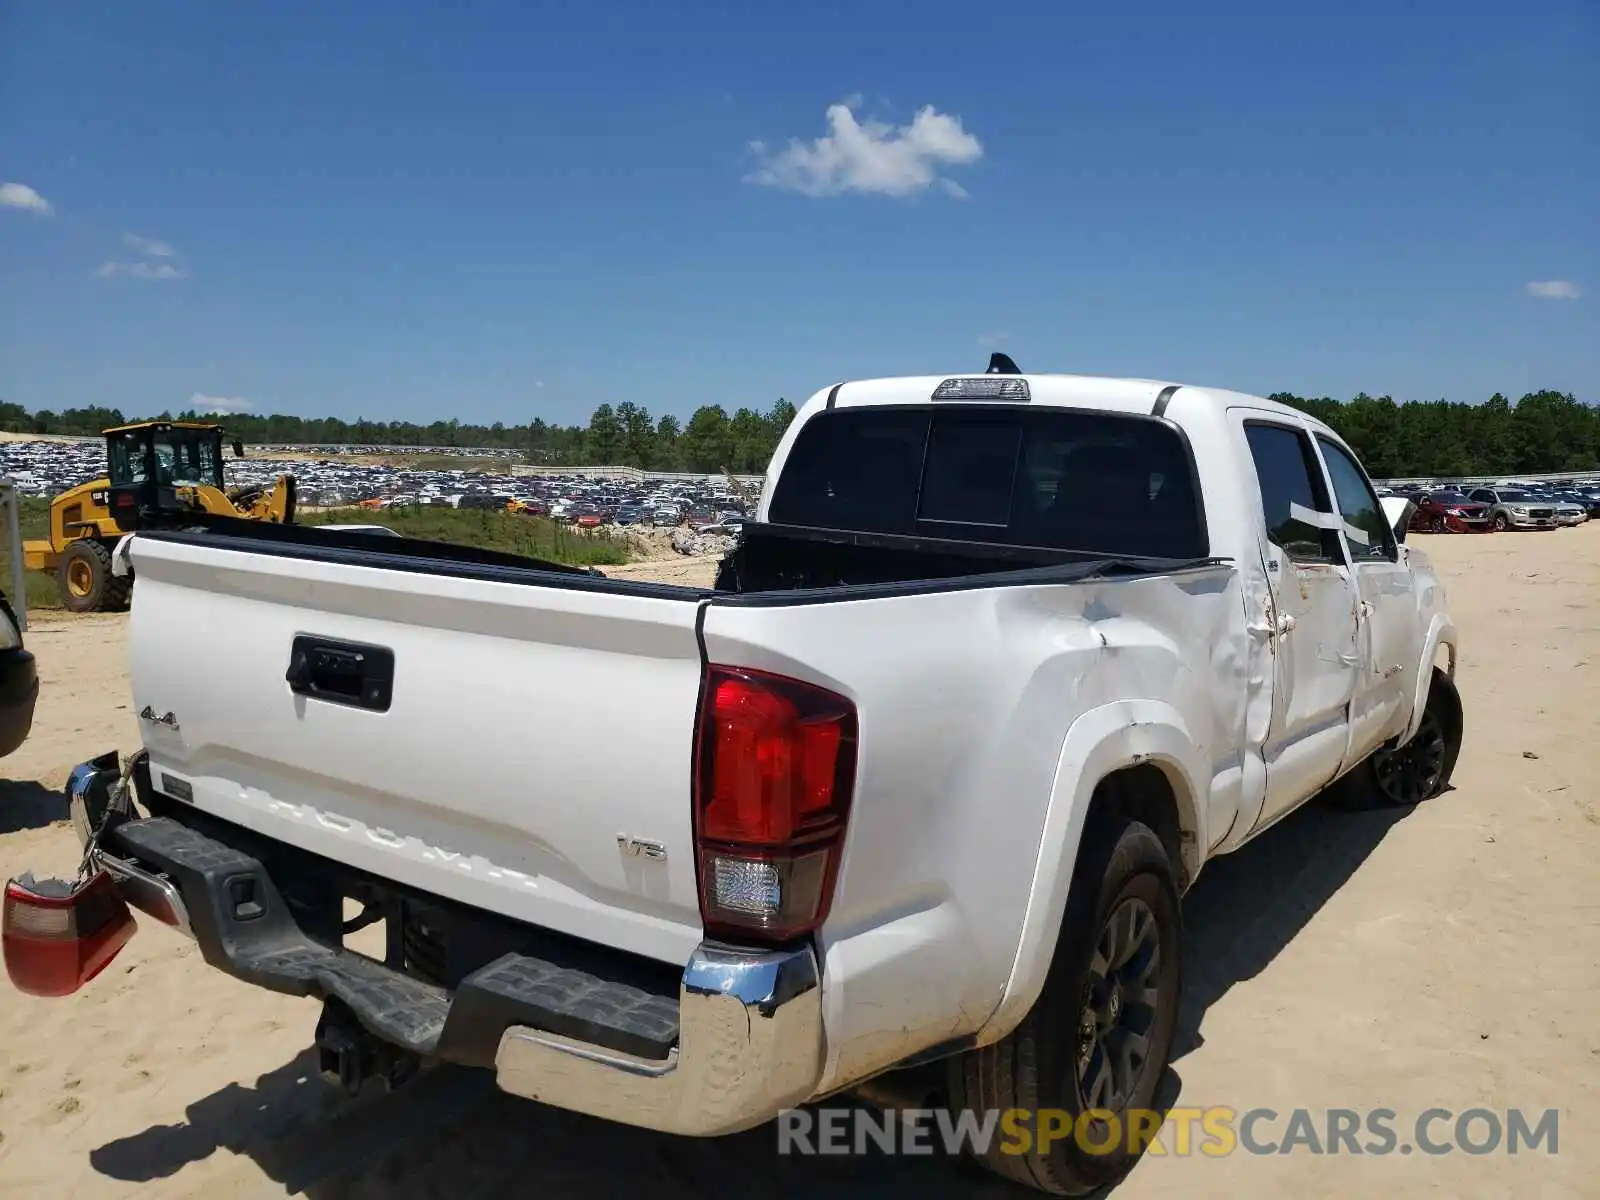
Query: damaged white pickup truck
[[1001, 663]]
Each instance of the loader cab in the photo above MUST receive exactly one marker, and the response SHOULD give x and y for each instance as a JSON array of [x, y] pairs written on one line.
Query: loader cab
[[147, 463]]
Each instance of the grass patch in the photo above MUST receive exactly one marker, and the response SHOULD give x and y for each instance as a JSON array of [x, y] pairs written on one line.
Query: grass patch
[[533, 537]]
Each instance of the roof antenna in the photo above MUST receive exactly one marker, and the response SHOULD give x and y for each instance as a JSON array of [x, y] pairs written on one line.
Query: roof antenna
[[1001, 364]]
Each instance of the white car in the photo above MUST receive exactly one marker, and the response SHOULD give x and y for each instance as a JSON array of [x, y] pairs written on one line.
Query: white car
[[1515, 508], [1570, 513], [1000, 664]]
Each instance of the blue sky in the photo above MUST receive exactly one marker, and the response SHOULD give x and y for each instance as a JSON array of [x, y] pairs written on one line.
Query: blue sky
[[496, 211]]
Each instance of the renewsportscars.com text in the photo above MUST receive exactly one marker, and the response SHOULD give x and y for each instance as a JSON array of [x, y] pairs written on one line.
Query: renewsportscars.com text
[[1210, 1132]]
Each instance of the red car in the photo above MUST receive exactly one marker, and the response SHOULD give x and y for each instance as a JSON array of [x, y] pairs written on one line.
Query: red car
[[1448, 512]]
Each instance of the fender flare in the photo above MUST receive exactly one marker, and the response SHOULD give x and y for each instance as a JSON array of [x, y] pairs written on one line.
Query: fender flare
[[1441, 632], [1121, 734]]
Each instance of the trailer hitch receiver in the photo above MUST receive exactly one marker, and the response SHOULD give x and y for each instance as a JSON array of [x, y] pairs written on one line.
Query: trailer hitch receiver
[[348, 1054]]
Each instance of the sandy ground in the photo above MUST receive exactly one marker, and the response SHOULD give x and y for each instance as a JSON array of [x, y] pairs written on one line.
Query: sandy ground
[[1443, 957]]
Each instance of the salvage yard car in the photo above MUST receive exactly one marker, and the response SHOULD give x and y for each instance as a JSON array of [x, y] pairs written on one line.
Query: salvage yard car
[[1448, 512], [1514, 508], [1001, 662]]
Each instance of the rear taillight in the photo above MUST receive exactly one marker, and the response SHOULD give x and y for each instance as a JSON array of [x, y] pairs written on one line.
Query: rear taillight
[[58, 937], [775, 772]]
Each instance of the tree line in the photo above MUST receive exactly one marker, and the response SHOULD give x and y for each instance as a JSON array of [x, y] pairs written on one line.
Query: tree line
[[624, 435], [1543, 431]]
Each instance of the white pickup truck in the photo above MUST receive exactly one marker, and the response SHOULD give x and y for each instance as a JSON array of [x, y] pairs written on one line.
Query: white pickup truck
[[1001, 663]]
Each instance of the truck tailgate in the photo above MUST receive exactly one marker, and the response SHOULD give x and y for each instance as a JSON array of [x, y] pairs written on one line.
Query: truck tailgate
[[529, 729]]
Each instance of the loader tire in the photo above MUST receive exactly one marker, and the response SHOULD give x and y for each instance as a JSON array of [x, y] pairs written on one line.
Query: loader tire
[[86, 582], [1123, 900]]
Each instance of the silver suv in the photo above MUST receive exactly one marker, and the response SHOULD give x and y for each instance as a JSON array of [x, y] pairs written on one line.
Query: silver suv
[[1513, 508]]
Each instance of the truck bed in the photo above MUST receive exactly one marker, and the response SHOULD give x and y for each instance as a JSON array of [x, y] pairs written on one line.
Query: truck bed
[[769, 557], [513, 727]]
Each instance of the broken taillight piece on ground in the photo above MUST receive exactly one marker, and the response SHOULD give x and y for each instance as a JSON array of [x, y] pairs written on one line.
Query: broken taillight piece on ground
[[58, 936]]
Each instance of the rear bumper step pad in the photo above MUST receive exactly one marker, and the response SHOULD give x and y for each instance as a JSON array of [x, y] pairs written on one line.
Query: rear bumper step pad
[[245, 927]]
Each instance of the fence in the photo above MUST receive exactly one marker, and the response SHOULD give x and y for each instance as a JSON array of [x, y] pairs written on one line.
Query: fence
[[12, 518]]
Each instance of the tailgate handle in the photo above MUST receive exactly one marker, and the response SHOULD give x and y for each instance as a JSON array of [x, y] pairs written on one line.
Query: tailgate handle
[[341, 672]]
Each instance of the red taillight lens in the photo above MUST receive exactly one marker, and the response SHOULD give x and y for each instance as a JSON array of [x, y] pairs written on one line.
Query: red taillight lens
[[776, 769], [58, 939]]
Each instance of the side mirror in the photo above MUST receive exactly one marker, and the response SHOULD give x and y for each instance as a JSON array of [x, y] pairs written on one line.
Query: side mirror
[[1398, 511], [238, 448]]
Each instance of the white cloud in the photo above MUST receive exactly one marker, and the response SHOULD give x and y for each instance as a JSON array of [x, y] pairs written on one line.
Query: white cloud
[[993, 339], [20, 195], [1554, 289], [202, 403], [869, 156], [140, 270], [538, 383], [149, 246]]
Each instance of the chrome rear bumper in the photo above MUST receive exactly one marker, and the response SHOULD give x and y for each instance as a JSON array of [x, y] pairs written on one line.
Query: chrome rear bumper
[[149, 891], [750, 1036], [750, 1044]]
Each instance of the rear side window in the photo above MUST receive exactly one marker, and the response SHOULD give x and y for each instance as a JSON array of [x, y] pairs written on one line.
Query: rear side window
[[1293, 497], [853, 469], [1093, 482], [1366, 529]]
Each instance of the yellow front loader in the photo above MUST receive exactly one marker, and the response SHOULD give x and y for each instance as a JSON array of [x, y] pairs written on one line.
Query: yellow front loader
[[160, 475]]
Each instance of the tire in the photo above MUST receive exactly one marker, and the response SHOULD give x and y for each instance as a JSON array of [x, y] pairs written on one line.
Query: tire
[[1397, 776], [1122, 871], [85, 580], [1500, 523]]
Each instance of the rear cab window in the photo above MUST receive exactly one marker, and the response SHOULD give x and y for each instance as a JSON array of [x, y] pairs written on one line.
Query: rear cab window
[[1095, 482]]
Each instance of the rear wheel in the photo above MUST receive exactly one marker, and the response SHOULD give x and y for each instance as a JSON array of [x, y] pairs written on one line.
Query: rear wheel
[[86, 582], [1421, 768], [1100, 1035]]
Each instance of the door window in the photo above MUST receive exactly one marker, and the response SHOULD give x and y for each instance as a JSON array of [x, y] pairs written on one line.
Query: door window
[[1293, 497], [1366, 529]]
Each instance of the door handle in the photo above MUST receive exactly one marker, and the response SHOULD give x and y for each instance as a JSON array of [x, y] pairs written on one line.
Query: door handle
[[1274, 626], [341, 673], [1349, 660]]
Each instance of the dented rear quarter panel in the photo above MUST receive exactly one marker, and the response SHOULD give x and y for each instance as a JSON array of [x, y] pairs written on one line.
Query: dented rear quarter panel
[[958, 820]]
